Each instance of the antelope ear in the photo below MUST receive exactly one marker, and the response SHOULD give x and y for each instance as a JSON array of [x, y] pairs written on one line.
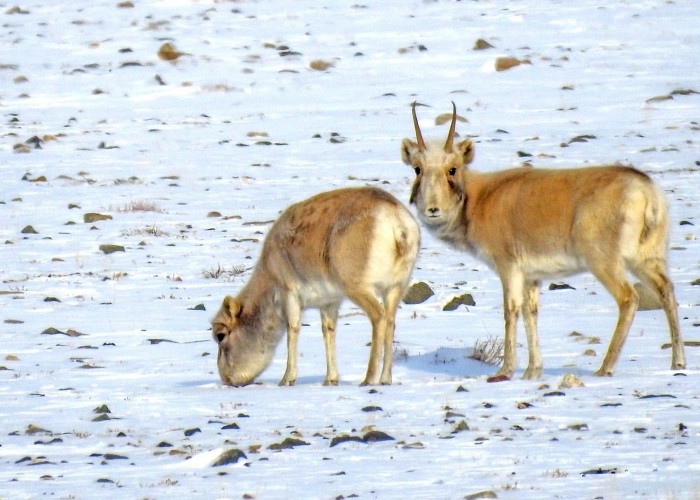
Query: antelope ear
[[466, 149], [232, 306], [408, 150]]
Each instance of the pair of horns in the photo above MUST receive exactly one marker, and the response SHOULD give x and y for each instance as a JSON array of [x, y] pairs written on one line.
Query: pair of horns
[[450, 135]]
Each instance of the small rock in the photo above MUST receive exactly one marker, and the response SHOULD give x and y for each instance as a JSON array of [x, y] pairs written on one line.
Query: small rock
[[570, 380], [320, 65], [418, 293], [376, 436], [460, 427], [108, 248], [480, 495], [482, 44], [369, 409], [344, 439], [91, 217], [168, 52], [288, 443], [464, 299], [29, 230], [506, 63], [560, 286], [228, 457]]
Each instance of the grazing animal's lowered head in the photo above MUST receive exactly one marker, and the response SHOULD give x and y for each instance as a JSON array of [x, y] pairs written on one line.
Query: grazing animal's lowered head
[[355, 243], [242, 354], [438, 189]]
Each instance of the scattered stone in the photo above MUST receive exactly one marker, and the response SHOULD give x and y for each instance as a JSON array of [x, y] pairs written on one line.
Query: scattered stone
[[599, 470], [29, 230], [460, 427], [497, 378], [198, 307], [376, 436], [553, 394], [369, 409], [482, 44], [114, 456], [54, 331], [320, 65], [570, 380], [443, 118], [480, 495], [344, 439], [168, 52], [560, 286], [35, 429], [464, 299], [287, 444], [228, 427], [229, 457], [102, 409], [655, 396], [109, 248], [506, 63], [192, 432], [91, 217], [418, 293]]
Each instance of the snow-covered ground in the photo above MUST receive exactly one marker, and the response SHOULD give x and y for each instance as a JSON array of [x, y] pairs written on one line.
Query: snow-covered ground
[[192, 157]]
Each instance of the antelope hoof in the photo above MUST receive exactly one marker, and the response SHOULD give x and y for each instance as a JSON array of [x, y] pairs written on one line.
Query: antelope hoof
[[330, 382], [678, 366], [603, 373], [286, 383], [504, 373]]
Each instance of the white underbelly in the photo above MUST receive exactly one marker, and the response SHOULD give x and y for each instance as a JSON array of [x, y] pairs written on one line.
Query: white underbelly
[[551, 266], [317, 294]]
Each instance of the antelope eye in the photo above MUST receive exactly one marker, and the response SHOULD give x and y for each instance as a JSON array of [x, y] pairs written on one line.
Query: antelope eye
[[452, 171], [417, 170]]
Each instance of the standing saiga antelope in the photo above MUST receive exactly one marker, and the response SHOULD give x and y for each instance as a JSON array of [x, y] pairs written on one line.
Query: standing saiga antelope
[[530, 224], [355, 243]]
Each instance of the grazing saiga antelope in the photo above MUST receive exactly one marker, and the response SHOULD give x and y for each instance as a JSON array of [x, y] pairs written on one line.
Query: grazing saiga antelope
[[355, 243], [530, 224]]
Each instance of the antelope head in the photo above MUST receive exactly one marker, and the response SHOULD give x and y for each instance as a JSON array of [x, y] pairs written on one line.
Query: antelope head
[[241, 358], [438, 190]]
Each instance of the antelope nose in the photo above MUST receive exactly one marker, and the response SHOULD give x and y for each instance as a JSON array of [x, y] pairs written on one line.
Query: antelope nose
[[220, 337], [433, 211]]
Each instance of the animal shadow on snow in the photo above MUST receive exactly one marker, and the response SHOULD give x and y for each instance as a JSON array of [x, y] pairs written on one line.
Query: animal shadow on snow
[[456, 362]]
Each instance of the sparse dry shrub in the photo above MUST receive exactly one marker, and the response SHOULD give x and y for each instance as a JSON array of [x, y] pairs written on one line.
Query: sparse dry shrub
[[224, 273], [140, 206], [489, 351]]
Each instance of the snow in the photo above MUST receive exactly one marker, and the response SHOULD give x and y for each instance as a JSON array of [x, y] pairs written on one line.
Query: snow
[[190, 147]]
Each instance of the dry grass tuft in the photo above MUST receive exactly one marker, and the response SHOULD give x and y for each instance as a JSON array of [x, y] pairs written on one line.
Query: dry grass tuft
[[489, 351], [224, 273], [140, 206]]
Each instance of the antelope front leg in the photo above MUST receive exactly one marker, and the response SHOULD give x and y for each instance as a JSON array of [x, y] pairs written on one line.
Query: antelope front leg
[[512, 302], [293, 310], [329, 317]]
